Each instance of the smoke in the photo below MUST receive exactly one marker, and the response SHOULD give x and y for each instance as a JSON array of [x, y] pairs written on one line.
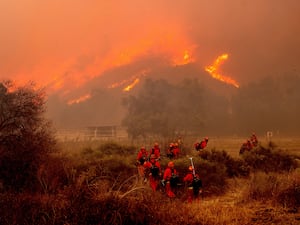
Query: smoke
[[63, 41], [68, 45]]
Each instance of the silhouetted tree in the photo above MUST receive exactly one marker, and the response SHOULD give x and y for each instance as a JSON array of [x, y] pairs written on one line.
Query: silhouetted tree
[[161, 109], [26, 137]]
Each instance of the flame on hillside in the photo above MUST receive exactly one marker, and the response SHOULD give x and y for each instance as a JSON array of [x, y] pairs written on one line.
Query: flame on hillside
[[130, 86], [133, 81], [80, 99], [184, 59], [213, 70], [118, 84], [72, 75], [68, 74]]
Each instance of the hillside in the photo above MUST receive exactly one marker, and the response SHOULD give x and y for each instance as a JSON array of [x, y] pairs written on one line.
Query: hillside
[[104, 107]]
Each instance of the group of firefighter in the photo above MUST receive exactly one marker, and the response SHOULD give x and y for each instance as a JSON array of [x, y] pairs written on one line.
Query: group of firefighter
[[150, 168], [249, 144]]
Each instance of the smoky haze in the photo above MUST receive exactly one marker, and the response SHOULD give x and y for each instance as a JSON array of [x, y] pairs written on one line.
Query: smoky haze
[[75, 40], [79, 47]]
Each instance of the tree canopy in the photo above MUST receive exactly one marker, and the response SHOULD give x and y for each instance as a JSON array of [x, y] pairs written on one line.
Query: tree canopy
[[162, 109], [26, 137]]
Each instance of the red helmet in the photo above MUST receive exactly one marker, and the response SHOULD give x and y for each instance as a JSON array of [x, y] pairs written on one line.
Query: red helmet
[[171, 164]]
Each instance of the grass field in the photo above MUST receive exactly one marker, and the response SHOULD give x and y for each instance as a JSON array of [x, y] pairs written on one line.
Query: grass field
[[232, 144], [95, 182]]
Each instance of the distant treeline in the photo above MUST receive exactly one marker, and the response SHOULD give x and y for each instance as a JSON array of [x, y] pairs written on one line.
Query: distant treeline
[[161, 108]]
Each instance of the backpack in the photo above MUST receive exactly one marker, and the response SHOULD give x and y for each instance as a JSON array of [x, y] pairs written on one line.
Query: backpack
[[201, 145], [197, 185], [142, 160], [174, 180], [197, 146], [154, 170]]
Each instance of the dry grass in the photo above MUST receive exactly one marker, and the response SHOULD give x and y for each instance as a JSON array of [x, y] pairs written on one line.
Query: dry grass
[[99, 186]]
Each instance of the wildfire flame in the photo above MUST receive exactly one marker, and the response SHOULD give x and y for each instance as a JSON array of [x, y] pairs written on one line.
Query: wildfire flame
[[186, 56], [80, 99], [130, 86], [118, 84], [182, 60], [132, 79], [213, 70]]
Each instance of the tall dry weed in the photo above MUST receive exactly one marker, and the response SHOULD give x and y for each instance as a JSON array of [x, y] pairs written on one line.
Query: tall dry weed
[[283, 189]]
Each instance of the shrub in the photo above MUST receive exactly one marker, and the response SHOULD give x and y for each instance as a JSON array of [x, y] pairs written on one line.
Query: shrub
[[53, 175], [234, 167], [263, 186], [126, 204], [25, 209], [26, 137], [112, 148], [289, 194], [212, 174], [270, 159], [278, 188]]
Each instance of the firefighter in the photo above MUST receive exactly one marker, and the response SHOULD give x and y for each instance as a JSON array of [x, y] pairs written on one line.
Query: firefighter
[[156, 151], [194, 185], [170, 153], [249, 145], [176, 151], [170, 179], [201, 145], [142, 157], [254, 140], [243, 148], [246, 146], [153, 169]]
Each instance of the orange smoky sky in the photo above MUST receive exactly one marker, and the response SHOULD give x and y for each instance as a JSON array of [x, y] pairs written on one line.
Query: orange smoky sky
[[62, 44]]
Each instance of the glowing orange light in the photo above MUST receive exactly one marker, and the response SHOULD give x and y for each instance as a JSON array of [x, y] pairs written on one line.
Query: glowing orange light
[[69, 72], [80, 99], [213, 71], [118, 84], [132, 79], [183, 60], [129, 87], [186, 56]]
